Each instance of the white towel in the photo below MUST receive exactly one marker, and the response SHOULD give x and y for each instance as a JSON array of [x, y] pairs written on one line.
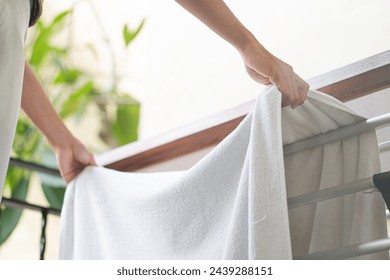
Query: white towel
[[232, 204]]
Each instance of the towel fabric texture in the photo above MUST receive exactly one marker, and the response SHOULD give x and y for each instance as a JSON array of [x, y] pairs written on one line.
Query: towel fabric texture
[[232, 204]]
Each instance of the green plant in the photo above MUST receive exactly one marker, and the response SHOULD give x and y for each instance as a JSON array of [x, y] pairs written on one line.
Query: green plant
[[71, 90]]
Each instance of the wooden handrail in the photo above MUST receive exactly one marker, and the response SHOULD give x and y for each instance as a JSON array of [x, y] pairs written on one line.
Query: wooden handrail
[[346, 83], [357, 79]]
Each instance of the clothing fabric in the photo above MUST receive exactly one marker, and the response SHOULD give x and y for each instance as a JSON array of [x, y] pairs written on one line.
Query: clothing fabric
[[232, 204], [14, 19]]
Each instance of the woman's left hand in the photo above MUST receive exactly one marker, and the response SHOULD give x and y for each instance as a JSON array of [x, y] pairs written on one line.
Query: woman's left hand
[[73, 158]]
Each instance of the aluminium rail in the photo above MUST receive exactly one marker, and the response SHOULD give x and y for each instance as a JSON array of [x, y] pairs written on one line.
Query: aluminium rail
[[351, 251], [380, 181], [338, 134]]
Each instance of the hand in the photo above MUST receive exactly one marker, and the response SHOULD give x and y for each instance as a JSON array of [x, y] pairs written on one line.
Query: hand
[[73, 158], [267, 69]]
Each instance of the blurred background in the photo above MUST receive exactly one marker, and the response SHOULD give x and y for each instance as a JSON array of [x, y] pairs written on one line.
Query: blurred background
[[123, 70]]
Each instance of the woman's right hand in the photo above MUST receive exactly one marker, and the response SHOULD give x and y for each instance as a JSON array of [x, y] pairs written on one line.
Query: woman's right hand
[[267, 69]]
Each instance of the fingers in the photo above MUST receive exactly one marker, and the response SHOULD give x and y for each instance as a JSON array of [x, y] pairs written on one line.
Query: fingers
[[265, 68], [73, 158], [86, 158], [303, 89], [285, 101], [93, 162], [257, 77], [82, 156], [299, 92], [293, 88], [72, 167]]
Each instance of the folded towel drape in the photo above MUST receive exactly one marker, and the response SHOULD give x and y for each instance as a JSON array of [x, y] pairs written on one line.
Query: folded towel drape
[[232, 204]]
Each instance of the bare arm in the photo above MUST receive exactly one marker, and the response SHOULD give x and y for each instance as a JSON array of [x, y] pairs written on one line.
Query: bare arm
[[260, 64], [72, 156]]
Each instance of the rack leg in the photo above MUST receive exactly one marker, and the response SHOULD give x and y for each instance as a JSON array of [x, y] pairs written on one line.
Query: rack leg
[[42, 244]]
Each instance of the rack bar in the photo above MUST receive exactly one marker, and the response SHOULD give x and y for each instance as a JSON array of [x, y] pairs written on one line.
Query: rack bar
[[34, 167], [337, 134], [348, 252], [331, 192], [42, 243], [380, 181], [25, 205], [384, 147]]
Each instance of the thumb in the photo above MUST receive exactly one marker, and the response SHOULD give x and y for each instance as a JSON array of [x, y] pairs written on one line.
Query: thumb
[[92, 161], [85, 157]]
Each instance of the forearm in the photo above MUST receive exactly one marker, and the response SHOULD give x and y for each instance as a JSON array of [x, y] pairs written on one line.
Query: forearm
[[260, 64], [219, 18], [38, 107]]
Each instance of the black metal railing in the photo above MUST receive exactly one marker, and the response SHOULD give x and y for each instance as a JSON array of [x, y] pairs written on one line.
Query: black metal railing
[[45, 211]]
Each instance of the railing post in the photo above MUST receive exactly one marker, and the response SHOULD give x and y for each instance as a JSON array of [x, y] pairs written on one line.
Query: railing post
[[42, 243]]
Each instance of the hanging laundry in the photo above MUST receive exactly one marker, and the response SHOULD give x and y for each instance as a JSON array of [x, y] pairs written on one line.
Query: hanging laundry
[[232, 204]]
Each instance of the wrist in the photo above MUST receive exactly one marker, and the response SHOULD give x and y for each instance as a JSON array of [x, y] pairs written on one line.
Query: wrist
[[61, 139], [257, 57], [246, 41]]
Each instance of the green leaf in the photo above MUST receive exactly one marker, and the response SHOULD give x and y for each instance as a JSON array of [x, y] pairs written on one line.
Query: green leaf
[[18, 181], [130, 34], [42, 45], [9, 218], [125, 127], [77, 100], [59, 18], [40, 49], [53, 187], [67, 76], [25, 130]]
